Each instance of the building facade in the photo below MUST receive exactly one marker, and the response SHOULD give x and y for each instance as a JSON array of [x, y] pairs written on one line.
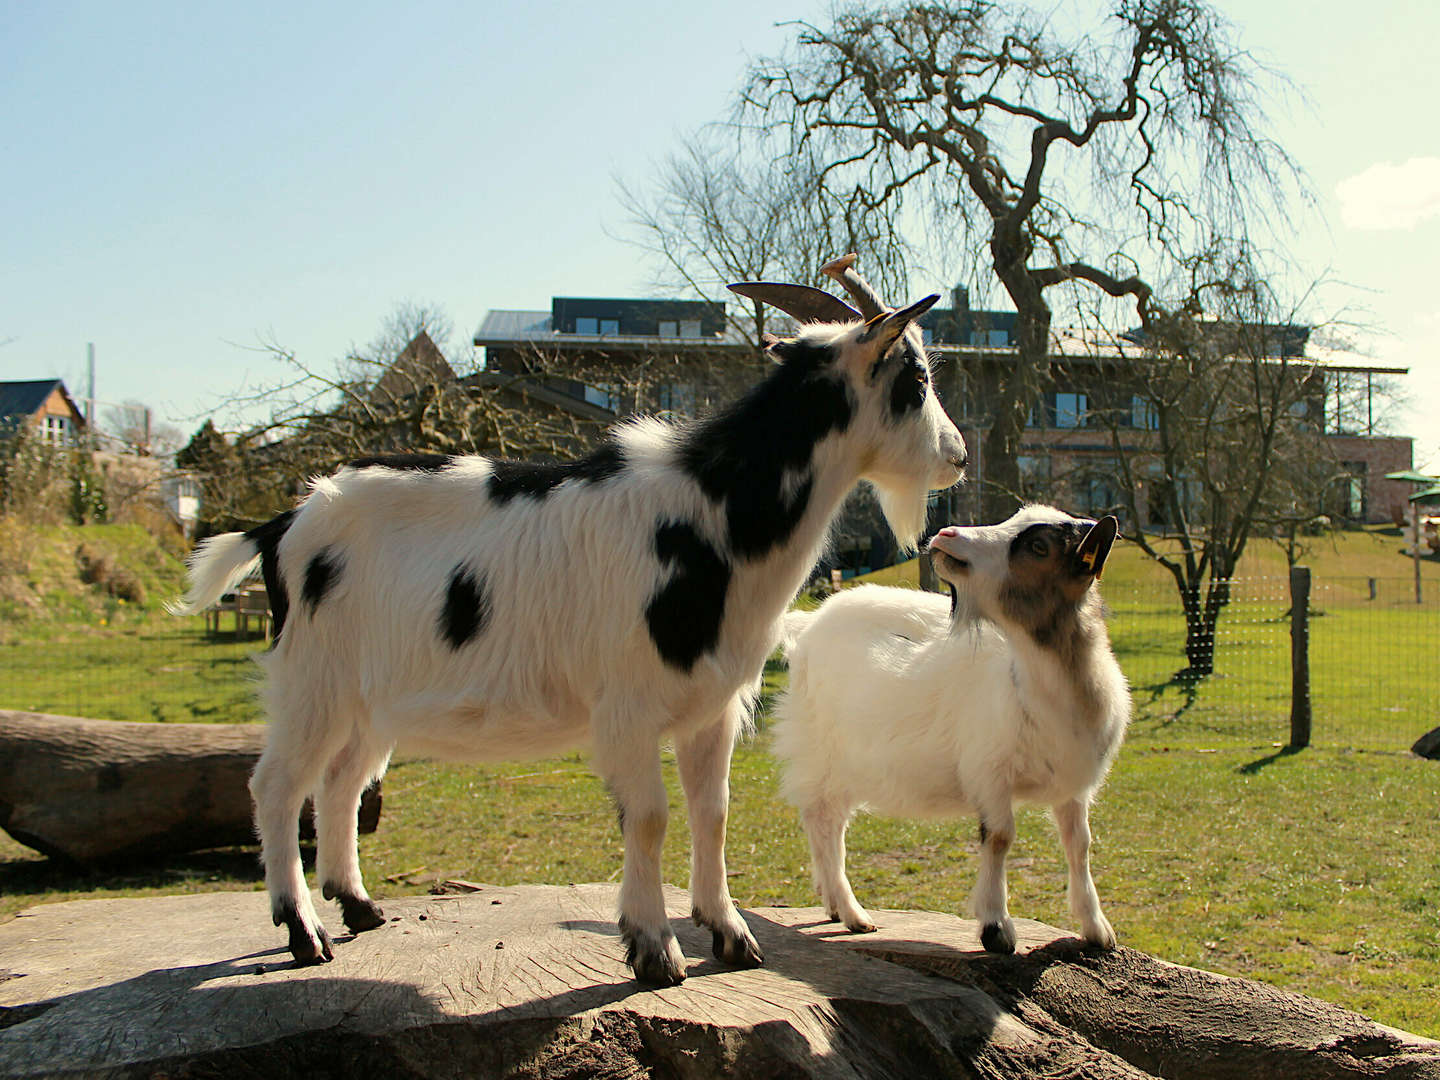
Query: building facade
[[628, 355]]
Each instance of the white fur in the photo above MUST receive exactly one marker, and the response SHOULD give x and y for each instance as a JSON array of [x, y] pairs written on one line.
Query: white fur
[[897, 707], [566, 657]]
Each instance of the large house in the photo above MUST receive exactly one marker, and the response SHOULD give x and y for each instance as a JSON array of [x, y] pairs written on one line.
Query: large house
[[45, 407], [691, 354]]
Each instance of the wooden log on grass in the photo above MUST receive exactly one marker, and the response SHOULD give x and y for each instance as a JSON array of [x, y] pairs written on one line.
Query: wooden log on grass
[[94, 790]]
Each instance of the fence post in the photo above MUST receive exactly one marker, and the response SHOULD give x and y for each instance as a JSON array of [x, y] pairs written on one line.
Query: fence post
[[929, 580], [1299, 656]]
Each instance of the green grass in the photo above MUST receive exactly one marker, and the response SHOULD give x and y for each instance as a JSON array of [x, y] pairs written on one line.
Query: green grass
[[1318, 871]]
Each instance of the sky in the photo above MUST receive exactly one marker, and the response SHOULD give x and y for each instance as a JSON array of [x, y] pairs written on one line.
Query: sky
[[186, 182]]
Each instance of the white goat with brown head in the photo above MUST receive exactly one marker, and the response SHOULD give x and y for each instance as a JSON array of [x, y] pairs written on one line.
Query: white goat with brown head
[[914, 707]]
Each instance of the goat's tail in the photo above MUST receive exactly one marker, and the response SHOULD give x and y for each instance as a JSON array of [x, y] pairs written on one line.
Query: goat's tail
[[216, 567], [792, 625]]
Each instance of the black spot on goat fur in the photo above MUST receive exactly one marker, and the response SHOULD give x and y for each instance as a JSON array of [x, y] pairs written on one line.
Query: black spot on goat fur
[[267, 538], [686, 612], [741, 456], [467, 607], [320, 574], [909, 385], [536, 479], [410, 462]]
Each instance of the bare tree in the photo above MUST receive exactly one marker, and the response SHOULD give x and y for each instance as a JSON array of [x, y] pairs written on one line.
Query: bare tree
[[402, 394], [725, 208], [979, 111], [1215, 429]]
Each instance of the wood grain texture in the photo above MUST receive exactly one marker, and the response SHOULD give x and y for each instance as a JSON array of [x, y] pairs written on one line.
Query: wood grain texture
[[530, 981]]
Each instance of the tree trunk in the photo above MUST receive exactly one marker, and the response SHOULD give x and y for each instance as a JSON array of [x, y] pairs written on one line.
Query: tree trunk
[[529, 981], [1201, 619], [92, 790], [1020, 389]]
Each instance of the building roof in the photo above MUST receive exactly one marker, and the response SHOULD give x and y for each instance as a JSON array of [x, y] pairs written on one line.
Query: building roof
[[25, 398], [510, 327]]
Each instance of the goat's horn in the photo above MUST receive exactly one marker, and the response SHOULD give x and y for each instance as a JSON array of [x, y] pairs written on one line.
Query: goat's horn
[[798, 301], [866, 298]]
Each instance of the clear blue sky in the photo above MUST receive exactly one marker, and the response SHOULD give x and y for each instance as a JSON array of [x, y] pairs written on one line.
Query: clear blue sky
[[182, 181]]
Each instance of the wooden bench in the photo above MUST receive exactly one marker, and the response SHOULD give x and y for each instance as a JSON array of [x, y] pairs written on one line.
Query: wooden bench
[[245, 603]]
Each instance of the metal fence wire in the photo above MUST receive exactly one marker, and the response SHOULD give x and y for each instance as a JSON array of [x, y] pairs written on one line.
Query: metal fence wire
[[1374, 656]]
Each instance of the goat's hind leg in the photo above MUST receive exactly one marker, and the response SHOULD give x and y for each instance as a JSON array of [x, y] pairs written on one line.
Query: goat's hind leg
[[631, 766], [1072, 819], [288, 770], [997, 833], [825, 823], [337, 805], [703, 758]]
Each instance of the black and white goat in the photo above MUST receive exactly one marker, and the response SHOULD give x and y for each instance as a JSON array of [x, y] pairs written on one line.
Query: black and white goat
[[918, 707], [466, 607]]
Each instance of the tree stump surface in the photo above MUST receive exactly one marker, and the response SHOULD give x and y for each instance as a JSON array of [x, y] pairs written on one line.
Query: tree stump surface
[[95, 790], [530, 981]]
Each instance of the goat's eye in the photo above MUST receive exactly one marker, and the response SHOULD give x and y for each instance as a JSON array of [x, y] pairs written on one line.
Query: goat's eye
[[1039, 546]]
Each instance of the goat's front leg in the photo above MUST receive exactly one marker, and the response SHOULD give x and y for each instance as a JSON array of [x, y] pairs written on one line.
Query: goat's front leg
[[703, 758], [631, 766], [1072, 819], [997, 833]]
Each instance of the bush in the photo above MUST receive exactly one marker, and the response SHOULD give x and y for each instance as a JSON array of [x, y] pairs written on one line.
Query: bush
[[98, 570]]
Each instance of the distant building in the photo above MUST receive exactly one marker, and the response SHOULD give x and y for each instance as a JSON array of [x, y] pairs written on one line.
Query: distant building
[[1065, 450], [45, 406]]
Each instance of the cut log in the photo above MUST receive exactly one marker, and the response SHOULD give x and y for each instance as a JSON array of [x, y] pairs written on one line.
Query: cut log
[[531, 981], [92, 790]]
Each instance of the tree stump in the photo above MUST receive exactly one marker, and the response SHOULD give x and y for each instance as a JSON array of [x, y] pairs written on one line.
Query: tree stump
[[92, 790], [530, 981]]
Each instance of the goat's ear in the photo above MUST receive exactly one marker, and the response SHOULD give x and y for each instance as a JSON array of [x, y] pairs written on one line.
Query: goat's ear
[[1095, 548], [888, 326]]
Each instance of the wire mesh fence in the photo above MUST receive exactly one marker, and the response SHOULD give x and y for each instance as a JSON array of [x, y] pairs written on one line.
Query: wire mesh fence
[[1374, 658]]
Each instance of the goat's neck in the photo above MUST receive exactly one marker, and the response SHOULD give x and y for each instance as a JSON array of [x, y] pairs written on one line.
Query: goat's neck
[[834, 471], [1071, 668]]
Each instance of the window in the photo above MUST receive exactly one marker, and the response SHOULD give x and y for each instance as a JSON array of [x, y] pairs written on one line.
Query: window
[[1069, 409], [990, 337], [1143, 414], [690, 328], [587, 325], [606, 397], [669, 329], [678, 398], [609, 326], [57, 429]]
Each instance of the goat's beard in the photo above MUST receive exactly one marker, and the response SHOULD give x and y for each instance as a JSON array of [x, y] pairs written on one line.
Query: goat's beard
[[906, 510]]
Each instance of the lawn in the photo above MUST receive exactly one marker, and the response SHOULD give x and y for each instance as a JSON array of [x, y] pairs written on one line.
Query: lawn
[[1318, 871]]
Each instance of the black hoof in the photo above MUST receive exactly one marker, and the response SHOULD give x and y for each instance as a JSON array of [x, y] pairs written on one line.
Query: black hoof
[[737, 952], [361, 915], [303, 947], [655, 962], [997, 939]]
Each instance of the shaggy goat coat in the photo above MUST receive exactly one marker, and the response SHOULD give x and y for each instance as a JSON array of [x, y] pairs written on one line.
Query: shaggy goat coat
[[472, 608], [900, 706]]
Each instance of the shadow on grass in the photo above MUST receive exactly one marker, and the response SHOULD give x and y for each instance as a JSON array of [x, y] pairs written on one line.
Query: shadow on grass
[[34, 877], [1187, 681], [1253, 767]]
